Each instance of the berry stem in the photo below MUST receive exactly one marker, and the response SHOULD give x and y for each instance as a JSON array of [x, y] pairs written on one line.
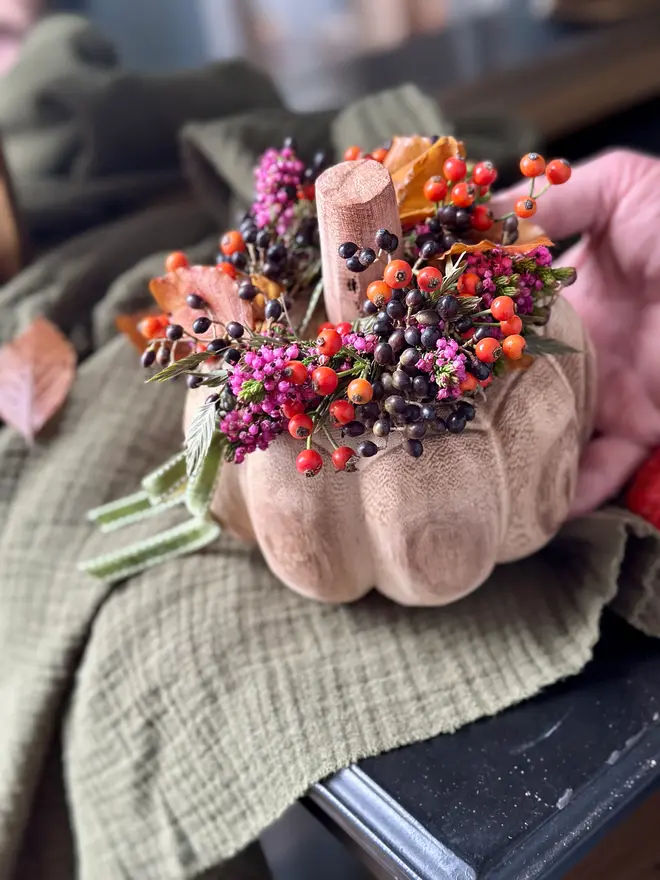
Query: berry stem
[[543, 191], [330, 437]]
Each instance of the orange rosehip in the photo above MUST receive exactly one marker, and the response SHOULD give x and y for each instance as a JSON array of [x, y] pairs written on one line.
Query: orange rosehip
[[344, 327], [486, 382], [232, 242], [511, 326], [454, 168], [429, 279], [328, 342], [176, 260], [295, 372], [300, 426], [502, 308], [513, 347], [352, 153], [324, 380], [151, 327], [341, 457], [398, 273], [360, 391], [309, 462], [380, 154], [435, 189], [525, 207], [291, 408], [469, 284], [468, 384], [326, 325], [532, 165], [484, 174], [228, 268], [487, 350], [558, 171], [342, 412], [463, 194], [379, 293]]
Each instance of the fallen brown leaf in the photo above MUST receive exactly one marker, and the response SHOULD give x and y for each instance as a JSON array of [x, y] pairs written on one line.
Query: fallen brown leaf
[[37, 370]]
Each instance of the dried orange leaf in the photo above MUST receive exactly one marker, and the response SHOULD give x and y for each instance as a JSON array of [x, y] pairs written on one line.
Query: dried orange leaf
[[486, 245], [405, 150], [215, 287], [37, 370], [409, 180]]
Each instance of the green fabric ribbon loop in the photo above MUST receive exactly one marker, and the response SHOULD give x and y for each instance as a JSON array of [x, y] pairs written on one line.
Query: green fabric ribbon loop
[[167, 478], [201, 486]]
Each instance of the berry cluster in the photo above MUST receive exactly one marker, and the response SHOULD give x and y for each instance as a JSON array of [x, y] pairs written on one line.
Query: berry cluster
[[447, 314]]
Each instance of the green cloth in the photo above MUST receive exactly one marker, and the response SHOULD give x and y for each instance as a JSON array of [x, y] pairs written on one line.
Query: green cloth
[[152, 730]]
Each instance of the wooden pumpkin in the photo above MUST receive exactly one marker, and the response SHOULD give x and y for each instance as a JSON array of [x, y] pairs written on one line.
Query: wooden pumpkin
[[426, 531]]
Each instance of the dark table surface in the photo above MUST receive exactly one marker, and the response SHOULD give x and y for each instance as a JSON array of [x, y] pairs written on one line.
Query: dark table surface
[[519, 796]]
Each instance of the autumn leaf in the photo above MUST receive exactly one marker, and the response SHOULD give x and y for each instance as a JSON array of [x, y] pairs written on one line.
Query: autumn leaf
[[215, 287], [480, 247], [37, 370], [404, 150], [409, 179]]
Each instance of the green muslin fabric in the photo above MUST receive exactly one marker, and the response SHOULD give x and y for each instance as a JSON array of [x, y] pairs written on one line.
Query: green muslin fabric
[[152, 730]]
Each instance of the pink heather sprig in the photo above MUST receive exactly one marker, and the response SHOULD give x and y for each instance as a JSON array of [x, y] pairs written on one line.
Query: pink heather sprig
[[492, 264], [278, 174], [447, 365]]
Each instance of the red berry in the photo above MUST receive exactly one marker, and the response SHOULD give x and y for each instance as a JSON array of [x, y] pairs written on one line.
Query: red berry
[[176, 260], [513, 347], [397, 273], [328, 342], [295, 372], [429, 279], [326, 325], [469, 284], [307, 192], [341, 457], [379, 293], [487, 350], [227, 268], [324, 380], [511, 326], [484, 173], [380, 154], [454, 168], [291, 408], [532, 165], [360, 391], [468, 384], [502, 308], [352, 153], [342, 412], [482, 218], [232, 242], [435, 189], [151, 327], [464, 194], [301, 426], [525, 207], [486, 382], [643, 497], [344, 328], [309, 462], [558, 171]]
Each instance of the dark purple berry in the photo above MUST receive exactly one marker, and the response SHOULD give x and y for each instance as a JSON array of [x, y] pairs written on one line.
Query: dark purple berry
[[409, 357], [367, 448], [397, 340], [386, 382], [195, 301], [174, 332], [212, 398], [430, 336], [353, 429], [384, 240], [413, 447], [439, 425], [381, 427], [428, 412], [479, 369], [235, 330], [395, 309], [428, 317], [249, 233], [466, 409], [448, 307], [368, 308], [353, 264], [413, 413], [347, 249], [455, 422], [413, 335], [447, 215], [430, 249], [263, 239], [273, 310], [273, 271], [434, 225], [276, 253], [232, 355], [395, 404], [201, 325], [414, 300], [247, 290], [401, 380], [383, 354], [194, 381], [484, 332], [420, 386], [382, 327], [448, 240], [367, 256], [370, 410], [239, 260], [510, 224], [215, 346], [463, 324], [378, 390], [394, 243], [415, 431], [148, 357], [463, 219]]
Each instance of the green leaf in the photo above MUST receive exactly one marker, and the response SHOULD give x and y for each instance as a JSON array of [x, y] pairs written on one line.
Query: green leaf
[[183, 366], [199, 492], [200, 435], [539, 345], [314, 299], [252, 391], [185, 538], [166, 479]]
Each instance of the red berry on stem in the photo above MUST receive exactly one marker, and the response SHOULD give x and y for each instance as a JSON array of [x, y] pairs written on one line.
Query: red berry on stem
[[502, 308], [379, 292], [328, 342], [151, 327], [352, 153], [344, 328], [484, 173], [532, 165], [468, 384], [454, 168], [324, 381], [469, 284], [176, 260], [482, 218], [342, 412], [525, 207], [463, 195], [429, 279], [301, 426], [232, 242], [380, 154], [341, 457], [511, 325], [309, 462], [228, 268], [295, 372], [360, 391], [487, 350], [558, 171], [398, 274], [513, 347], [291, 408], [435, 189]]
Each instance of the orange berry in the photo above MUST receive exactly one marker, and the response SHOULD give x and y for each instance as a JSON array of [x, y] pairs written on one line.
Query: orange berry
[[502, 308], [300, 426], [525, 207], [352, 153], [482, 218], [342, 412], [379, 293], [513, 347], [484, 173], [468, 384], [511, 326], [397, 273], [469, 284], [344, 327], [558, 171], [435, 189], [295, 372], [454, 168], [341, 457], [463, 194], [360, 391], [532, 165], [291, 408], [324, 380], [232, 242], [429, 279], [380, 154], [328, 342], [227, 268], [487, 350], [326, 325], [151, 327], [176, 260], [164, 320]]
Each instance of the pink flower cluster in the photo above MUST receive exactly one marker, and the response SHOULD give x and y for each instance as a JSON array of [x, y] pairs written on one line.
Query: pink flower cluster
[[447, 364], [490, 265], [361, 344], [254, 425], [277, 177]]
